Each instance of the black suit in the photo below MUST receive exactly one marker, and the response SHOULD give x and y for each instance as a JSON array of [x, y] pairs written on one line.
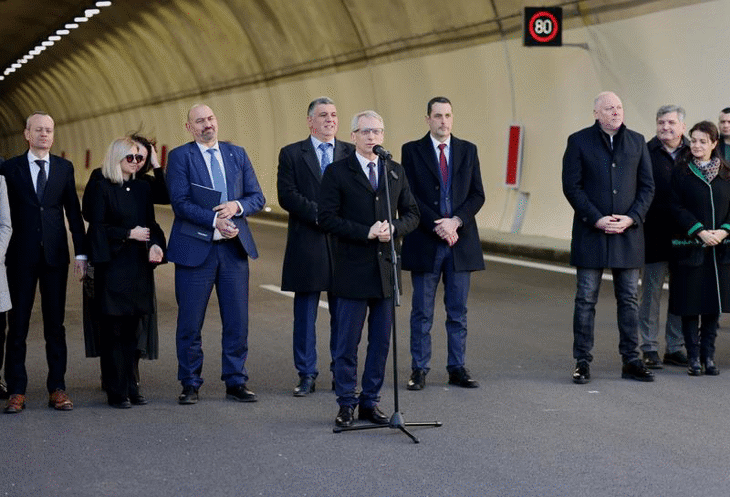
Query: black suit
[[38, 255], [428, 257], [307, 269], [348, 207]]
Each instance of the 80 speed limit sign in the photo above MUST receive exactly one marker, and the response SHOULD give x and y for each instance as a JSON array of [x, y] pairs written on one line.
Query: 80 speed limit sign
[[543, 26]]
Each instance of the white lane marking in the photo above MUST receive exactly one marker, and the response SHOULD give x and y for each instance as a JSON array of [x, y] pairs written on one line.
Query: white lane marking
[[277, 289]]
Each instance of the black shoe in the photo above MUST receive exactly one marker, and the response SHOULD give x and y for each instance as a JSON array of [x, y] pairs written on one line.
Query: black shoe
[[240, 393], [119, 403], [188, 396], [344, 417], [582, 373], [3, 390], [305, 387], [137, 399], [635, 370], [461, 377], [651, 360], [418, 380], [373, 414], [694, 368], [675, 358], [711, 368]]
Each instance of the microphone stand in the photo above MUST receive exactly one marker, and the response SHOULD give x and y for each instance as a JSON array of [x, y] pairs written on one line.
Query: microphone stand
[[396, 420]]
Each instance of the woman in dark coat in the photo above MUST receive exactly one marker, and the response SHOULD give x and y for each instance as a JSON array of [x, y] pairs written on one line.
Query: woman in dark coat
[[125, 243], [700, 265]]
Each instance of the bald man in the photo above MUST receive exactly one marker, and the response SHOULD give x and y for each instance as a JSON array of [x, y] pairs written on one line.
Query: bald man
[[210, 245], [607, 178]]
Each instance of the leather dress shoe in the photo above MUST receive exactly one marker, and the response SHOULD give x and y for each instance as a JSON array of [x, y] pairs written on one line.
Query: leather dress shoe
[[635, 370], [60, 401], [240, 393], [694, 368], [373, 414], [344, 417], [188, 396], [711, 368], [461, 377], [3, 390], [418, 380], [677, 358], [119, 403], [305, 387], [582, 373], [652, 361], [16, 403], [137, 399]]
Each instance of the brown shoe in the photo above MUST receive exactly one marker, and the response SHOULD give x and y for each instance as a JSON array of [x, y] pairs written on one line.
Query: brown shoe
[[60, 401], [16, 403]]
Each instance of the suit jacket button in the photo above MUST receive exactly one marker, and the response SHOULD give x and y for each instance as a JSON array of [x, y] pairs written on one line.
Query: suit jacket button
[[615, 192]]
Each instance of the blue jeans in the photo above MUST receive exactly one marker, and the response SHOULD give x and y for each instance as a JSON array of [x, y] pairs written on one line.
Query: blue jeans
[[625, 288], [652, 282]]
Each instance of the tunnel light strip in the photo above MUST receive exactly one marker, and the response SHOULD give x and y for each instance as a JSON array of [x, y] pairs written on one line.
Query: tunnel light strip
[[88, 13]]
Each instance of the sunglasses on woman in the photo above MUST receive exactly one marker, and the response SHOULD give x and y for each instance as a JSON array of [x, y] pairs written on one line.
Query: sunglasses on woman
[[132, 158]]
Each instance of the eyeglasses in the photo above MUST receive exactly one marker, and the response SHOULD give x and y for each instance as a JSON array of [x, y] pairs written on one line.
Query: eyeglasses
[[132, 158], [368, 131]]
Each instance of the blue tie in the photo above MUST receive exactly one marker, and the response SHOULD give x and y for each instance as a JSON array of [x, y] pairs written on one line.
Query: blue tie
[[371, 176], [326, 159], [219, 181]]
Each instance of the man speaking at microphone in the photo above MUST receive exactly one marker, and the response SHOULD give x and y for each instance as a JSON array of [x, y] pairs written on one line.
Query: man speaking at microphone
[[353, 207]]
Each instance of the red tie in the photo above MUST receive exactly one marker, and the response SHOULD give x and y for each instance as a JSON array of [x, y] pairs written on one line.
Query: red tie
[[442, 164]]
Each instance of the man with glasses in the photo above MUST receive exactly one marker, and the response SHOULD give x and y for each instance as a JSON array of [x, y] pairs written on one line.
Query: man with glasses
[[446, 181], [307, 269], [210, 244], [41, 189], [353, 206]]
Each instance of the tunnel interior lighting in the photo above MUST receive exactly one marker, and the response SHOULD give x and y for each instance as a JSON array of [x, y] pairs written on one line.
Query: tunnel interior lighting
[[62, 32], [81, 19], [71, 25], [103, 4], [54, 38]]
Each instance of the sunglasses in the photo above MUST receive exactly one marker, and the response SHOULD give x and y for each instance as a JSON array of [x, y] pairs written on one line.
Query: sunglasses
[[132, 158]]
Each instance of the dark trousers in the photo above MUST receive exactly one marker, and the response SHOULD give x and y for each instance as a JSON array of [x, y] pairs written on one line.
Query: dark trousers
[[226, 269], [625, 289], [456, 293], [118, 336], [3, 326], [23, 280], [351, 315], [306, 305], [700, 339]]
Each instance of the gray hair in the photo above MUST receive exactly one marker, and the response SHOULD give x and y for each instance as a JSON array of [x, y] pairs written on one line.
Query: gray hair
[[36, 113], [318, 101], [365, 113], [668, 109]]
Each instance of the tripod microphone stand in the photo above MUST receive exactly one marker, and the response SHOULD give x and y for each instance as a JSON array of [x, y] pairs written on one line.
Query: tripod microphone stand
[[396, 420]]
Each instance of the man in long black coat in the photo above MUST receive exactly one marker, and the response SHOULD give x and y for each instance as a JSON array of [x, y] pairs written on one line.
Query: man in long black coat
[[307, 269], [607, 179], [353, 206]]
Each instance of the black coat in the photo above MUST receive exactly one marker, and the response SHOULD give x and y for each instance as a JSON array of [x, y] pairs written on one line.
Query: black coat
[[348, 207], [694, 287], [40, 226], [599, 181], [659, 224], [467, 197], [124, 283], [308, 255]]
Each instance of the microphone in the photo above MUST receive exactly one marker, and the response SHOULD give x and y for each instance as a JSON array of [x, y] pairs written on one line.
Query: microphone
[[381, 152]]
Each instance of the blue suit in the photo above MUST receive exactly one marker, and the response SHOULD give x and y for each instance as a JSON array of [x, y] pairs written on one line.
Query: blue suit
[[201, 262]]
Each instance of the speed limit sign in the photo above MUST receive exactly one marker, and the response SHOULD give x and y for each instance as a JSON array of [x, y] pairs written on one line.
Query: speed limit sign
[[543, 26]]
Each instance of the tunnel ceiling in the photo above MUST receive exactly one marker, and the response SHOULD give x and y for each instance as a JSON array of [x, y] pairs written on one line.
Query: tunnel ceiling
[[196, 47]]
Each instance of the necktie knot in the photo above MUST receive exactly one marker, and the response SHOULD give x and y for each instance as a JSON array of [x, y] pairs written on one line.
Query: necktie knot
[[442, 147]]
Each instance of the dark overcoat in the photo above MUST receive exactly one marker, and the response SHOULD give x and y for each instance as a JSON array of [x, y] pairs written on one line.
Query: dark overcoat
[[659, 224], [348, 207], [308, 254], [599, 180], [123, 279], [467, 197], [700, 281]]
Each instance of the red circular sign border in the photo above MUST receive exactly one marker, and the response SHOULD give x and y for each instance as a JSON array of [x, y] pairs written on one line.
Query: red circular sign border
[[531, 25]]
